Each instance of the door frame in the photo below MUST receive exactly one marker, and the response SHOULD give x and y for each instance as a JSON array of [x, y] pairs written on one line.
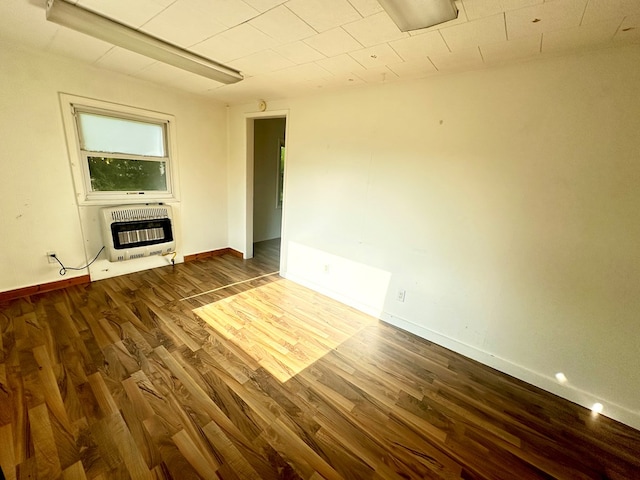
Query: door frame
[[249, 127]]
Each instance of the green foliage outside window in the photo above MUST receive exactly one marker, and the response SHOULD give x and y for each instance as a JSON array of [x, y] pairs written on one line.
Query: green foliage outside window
[[123, 175]]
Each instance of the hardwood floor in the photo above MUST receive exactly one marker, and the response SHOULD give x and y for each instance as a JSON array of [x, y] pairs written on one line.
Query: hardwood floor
[[122, 379], [283, 326]]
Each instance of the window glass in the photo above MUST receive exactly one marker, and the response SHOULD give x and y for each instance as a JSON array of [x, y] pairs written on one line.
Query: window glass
[[109, 174], [102, 133]]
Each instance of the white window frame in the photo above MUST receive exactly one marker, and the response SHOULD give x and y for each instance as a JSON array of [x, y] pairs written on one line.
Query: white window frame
[[79, 159]]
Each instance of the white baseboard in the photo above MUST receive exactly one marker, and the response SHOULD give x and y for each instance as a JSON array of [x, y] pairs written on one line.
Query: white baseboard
[[549, 384], [566, 391]]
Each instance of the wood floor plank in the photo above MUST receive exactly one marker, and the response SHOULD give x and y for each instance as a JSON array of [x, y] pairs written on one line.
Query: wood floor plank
[[221, 369], [7, 453], [16, 408], [134, 416], [200, 398], [103, 397], [28, 469], [74, 472], [298, 453], [176, 464], [231, 455], [204, 464], [127, 448], [173, 329], [50, 388], [65, 441], [45, 451]]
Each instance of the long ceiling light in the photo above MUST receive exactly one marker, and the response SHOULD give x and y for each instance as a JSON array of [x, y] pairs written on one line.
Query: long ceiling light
[[85, 21], [415, 14]]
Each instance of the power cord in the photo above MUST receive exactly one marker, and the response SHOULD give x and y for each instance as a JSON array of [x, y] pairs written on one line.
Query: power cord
[[173, 259], [64, 269]]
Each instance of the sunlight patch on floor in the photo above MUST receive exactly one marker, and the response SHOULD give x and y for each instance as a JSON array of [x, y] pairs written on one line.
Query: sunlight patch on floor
[[283, 326]]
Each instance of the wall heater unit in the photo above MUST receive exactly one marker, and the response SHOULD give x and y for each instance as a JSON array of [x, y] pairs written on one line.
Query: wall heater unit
[[136, 231]]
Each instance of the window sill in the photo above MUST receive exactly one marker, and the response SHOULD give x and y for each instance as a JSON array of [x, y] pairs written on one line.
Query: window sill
[[119, 199]]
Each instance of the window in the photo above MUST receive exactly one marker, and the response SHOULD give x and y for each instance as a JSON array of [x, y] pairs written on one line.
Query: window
[[123, 153]]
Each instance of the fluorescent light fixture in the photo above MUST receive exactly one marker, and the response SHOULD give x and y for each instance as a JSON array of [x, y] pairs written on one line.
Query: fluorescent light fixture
[[85, 21], [416, 14]]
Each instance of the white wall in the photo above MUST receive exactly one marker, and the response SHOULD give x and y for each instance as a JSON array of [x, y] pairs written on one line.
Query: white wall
[[39, 211], [505, 202], [267, 215]]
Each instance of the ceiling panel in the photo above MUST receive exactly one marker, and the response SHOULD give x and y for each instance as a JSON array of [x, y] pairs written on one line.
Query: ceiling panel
[[130, 13], [340, 65], [302, 73], [299, 52], [376, 29], [235, 43], [377, 75], [579, 37], [124, 61], [414, 69], [629, 31], [517, 49], [342, 81], [261, 62], [418, 47], [177, 78], [283, 25], [183, 12], [227, 12], [324, 14], [460, 60], [376, 57], [264, 5], [484, 8], [333, 42], [366, 7], [283, 82], [599, 10], [478, 32], [549, 16]]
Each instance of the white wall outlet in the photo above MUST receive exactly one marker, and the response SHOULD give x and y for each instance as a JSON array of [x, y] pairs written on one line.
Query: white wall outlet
[[326, 267], [401, 295], [50, 256]]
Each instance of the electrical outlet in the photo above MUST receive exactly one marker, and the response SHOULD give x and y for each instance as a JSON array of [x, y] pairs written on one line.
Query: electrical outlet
[[326, 268], [50, 256], [400, 295]]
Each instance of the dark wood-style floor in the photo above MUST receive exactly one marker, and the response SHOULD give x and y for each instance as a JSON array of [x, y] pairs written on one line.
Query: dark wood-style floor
[[121, 379]]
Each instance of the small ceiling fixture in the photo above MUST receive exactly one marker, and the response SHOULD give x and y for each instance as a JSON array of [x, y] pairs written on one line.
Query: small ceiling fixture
[[103, 28], [416, 14]]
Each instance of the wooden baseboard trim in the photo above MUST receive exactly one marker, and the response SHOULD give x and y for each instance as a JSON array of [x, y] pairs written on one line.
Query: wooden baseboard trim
[[213, 253], [235, 253], [43, 287], [84, 279]]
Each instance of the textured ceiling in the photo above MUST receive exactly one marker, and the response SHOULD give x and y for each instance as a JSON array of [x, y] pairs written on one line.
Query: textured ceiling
[[295, 47]]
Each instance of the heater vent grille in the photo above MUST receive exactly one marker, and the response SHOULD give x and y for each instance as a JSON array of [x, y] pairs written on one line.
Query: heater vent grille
[[132, 231], [136, 214]]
